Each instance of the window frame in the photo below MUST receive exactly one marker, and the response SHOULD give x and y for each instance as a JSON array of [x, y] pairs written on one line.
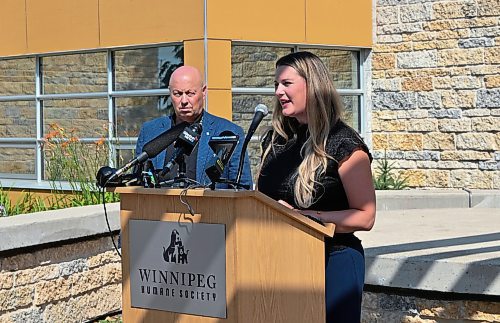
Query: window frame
[[36, 180], [359, 92]]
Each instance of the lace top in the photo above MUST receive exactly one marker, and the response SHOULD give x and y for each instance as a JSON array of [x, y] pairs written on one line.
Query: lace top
[[279, 170]]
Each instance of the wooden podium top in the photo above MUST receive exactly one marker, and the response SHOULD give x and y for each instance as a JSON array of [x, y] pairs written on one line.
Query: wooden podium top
[[327, 229]]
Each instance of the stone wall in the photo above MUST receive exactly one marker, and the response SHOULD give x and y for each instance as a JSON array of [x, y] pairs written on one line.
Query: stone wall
[[436, 91], [70, 282]]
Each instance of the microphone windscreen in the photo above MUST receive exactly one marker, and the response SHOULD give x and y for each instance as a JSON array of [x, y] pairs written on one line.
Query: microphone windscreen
[[162, 141], [104, 174], [262, 108]]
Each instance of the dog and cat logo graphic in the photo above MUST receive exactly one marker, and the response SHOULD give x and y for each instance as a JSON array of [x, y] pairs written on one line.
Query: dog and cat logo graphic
[[175, 252]]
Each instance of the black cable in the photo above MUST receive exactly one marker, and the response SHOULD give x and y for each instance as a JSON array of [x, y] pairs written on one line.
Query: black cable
[[107, 221], [183, 194]]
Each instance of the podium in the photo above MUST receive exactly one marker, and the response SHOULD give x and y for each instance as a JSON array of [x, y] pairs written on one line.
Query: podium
[[274, 257]]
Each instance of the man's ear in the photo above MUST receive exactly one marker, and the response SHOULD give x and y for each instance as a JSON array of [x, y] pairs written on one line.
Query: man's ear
[[204, 90]]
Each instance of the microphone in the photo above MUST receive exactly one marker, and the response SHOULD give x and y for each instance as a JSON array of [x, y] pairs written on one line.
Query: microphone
[[185, 144], [223, 146], [150, 150], [105, 174], [260, 112]]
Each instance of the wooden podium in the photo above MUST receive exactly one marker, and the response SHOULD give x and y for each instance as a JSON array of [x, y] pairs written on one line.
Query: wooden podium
[[274, 256]]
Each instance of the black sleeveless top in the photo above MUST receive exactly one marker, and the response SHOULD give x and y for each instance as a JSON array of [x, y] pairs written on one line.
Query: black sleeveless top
[[279, 170]]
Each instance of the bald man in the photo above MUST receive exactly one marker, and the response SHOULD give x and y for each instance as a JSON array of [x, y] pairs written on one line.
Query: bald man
[[188, 92]]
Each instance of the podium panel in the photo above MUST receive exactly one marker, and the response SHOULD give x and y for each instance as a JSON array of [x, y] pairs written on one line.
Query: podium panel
[[274, 257]]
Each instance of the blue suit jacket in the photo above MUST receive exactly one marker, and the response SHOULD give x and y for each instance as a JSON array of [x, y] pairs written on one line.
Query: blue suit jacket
[[212, 126]]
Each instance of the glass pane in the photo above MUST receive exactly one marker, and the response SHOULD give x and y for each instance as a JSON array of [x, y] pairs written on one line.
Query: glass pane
[[343, 65], [351, 112], [123, 156], [17, 76], [146, 68], [244, 110], [77, 73], [19, 161], [132, 112], [18, 119], [253, 66], [76, 118]]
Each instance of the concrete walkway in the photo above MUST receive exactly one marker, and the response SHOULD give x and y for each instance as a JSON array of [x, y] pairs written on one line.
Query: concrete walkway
[[441, 249]]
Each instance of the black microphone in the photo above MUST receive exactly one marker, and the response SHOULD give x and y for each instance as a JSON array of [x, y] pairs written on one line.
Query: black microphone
[[185, 144], [223, 146], [105, 174], [260, 112], [150, 150]]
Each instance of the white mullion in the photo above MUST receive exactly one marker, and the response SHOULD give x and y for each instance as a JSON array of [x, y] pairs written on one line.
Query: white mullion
[[39, 121], [111, 114], [362, 87]]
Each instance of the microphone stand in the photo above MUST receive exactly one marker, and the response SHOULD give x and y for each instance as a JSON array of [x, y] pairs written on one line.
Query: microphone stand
[[230, 183], [181, 180]]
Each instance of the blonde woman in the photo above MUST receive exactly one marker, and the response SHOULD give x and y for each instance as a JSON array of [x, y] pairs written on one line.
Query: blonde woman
[[314, 163]]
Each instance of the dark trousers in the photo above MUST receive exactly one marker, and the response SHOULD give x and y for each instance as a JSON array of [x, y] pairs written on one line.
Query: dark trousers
[[345, 277]]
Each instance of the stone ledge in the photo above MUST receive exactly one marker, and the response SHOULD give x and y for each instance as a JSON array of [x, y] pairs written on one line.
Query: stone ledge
[[444, 250], [436, 199], [27, 230]]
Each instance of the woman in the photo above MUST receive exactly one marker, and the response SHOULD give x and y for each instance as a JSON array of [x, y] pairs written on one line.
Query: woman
[[314, 163]]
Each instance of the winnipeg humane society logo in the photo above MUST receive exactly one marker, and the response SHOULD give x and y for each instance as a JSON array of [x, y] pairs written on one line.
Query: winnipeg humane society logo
[[175, 252]]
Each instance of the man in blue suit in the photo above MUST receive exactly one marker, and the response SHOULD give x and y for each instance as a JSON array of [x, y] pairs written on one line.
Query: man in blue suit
[[188, 92]]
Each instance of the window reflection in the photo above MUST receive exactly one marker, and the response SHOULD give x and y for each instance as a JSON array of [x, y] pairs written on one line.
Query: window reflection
[[343, 66], [77, 73], [17, 119], [86, 118], [17, 76], [253, 66], [17, 161], [146, 68], [131, 113]]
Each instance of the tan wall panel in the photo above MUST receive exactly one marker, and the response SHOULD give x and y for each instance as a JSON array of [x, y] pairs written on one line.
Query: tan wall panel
[[57, 25], [12, 27], [340, 22], [194, 54], [259, 20], [220, 103], [219, 64], [219, 72], [131, 22], [219, 61]]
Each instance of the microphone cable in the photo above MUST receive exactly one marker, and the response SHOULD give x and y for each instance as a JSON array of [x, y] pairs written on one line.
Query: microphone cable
[[107, 220]]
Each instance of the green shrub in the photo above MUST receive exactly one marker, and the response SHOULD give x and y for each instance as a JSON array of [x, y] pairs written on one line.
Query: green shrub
[[384, 178]]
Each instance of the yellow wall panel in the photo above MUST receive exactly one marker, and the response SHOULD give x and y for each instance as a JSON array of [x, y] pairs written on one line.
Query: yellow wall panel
[[339, 22], [12, 27], [219, 72], [219, 64], [131, 22], [257, 20], [220, 103], [57, 25], [194, 54]]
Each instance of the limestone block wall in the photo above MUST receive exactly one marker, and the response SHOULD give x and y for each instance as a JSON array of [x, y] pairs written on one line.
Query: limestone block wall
[[436, 91], [59, 266], [72, 282]]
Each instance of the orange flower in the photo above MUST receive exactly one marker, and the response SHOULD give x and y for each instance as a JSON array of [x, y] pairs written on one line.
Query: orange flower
[[100, 142]]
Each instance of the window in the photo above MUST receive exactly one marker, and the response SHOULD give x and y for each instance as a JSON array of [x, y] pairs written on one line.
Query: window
[[106, 93], [253, 68]]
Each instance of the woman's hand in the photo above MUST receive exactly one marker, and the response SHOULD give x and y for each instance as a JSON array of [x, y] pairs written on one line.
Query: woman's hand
[[286, 204]]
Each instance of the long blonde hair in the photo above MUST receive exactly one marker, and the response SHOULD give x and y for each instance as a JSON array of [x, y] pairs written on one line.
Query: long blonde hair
[[323, 108]]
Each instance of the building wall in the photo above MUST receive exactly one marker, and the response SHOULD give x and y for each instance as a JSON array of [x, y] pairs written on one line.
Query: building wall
[[436, 91], [67, 282]]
